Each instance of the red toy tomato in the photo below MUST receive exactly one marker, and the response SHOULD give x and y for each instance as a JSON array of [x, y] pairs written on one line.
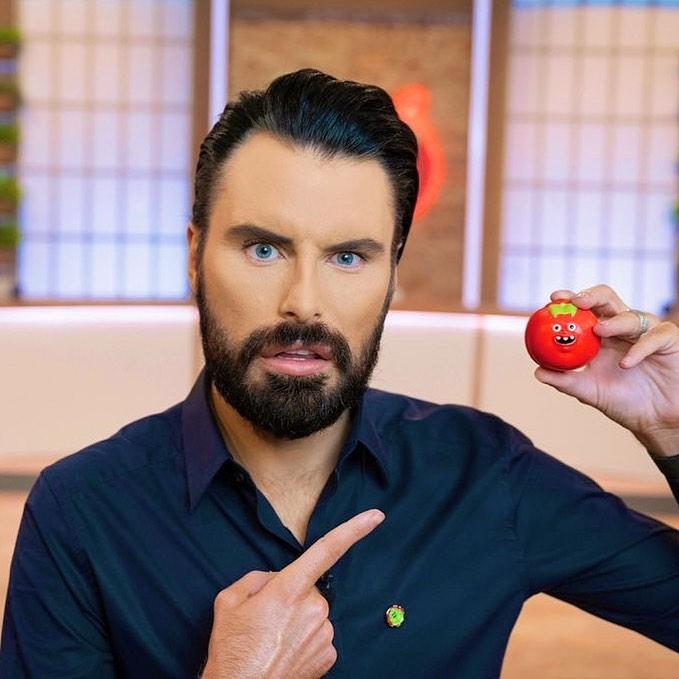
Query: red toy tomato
[[560, 337]]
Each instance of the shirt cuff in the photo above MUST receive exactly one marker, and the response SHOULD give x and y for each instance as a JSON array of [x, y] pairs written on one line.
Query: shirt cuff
[[669, 466]]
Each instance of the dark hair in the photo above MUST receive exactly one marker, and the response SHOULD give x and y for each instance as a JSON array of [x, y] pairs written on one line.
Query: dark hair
[[331, 116]]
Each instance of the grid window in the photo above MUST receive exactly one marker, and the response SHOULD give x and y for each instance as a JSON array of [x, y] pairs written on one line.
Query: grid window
[[590, 151], [104, 161]]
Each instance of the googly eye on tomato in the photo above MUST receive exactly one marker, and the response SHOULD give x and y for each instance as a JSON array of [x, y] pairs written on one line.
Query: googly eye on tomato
[[556, 327], [572, 327]]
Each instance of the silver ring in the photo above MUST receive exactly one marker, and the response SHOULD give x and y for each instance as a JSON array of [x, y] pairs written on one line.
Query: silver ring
[[644, 323]]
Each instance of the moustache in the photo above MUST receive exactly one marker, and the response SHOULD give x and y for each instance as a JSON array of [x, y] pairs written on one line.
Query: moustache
[[288, 333]]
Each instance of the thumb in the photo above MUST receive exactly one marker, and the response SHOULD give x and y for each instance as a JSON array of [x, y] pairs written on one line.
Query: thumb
[[568, 382]]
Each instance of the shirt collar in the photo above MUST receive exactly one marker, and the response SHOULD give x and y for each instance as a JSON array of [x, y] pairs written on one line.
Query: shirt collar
[[205, 451]]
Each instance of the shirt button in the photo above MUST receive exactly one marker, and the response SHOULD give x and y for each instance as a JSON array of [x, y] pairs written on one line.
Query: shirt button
[[325, 581], [325, 587], [240, 477]]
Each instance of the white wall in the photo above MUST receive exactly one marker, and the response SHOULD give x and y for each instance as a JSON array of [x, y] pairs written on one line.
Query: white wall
[[73, 375]]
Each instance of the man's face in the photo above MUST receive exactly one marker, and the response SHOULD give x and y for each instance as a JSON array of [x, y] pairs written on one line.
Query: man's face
[[294, 283]]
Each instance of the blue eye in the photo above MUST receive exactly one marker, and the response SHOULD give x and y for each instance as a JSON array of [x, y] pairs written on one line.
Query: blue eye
[[348, 260], [263, 252]]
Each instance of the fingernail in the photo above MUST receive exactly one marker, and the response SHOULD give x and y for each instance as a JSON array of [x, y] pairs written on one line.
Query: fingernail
[[582, 293], [377, 516]]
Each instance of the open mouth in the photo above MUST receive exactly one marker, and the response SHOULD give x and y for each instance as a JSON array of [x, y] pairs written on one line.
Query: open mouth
[[297, 358], [298, 350], [300, 355], [564, 340]]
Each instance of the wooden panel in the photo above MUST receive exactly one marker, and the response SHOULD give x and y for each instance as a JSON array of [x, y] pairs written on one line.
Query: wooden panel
[[7, 13], [494, 154], [201, 77], [407, 10]]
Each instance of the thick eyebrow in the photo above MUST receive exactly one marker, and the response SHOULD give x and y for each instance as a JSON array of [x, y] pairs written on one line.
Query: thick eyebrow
[[251, 231], [367, 245]]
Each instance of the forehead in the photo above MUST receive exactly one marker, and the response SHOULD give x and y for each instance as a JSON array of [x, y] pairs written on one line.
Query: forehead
[[271, 183]]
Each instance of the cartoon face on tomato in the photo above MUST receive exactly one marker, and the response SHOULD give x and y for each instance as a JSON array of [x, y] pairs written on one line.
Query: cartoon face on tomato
[[560, 337]]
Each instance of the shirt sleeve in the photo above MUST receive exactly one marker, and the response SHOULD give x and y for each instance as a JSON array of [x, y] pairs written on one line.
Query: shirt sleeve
[[669, 466], [583, 545], [53, 626]]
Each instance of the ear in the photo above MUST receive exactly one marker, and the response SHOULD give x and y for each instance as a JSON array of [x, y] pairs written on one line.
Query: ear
[[192, 237]]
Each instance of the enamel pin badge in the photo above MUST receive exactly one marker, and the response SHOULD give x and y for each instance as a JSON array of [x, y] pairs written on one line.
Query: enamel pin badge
[[395, 615]]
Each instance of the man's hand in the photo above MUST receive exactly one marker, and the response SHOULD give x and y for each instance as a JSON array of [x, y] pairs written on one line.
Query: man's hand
[[276, 624], [634, 379]]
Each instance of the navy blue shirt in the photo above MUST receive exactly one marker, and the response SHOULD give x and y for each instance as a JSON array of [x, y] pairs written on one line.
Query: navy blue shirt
[[123, 546]]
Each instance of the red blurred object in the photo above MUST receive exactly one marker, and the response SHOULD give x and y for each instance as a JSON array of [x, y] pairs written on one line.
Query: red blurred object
[[413, 104], [559, 336]]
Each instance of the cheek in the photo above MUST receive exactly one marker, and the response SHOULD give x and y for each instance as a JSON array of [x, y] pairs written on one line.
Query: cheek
[[243, 296], [357, 306]]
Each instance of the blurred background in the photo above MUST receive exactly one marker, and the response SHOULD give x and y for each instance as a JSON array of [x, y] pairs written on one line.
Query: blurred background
[[549, 149], [564, 115]]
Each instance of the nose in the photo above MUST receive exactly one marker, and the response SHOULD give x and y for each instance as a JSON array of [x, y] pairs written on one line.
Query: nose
[[301, 299]]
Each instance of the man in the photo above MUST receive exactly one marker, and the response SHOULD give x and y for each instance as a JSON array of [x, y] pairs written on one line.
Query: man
[[284, 521]]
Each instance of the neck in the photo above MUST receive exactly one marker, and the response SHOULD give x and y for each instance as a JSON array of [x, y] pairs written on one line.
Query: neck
[[275, 462]]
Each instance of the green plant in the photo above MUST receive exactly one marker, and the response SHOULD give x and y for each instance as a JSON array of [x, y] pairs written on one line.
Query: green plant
[[9, 235], [9, 133], [9, 36], [9, 189]]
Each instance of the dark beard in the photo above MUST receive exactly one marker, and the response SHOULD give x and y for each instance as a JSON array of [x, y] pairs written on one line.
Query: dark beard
[[286, 406]]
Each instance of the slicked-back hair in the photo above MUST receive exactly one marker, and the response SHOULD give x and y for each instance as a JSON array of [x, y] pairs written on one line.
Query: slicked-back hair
[[332, 117]]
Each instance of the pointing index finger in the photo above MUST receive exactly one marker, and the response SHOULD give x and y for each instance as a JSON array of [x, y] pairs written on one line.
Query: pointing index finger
[[301, 575]]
